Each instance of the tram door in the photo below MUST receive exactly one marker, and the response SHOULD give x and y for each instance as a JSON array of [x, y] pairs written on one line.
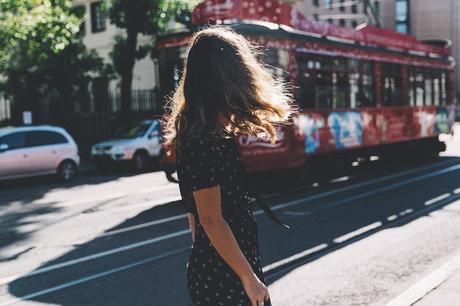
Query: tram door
[[306, 87], [171, 65]]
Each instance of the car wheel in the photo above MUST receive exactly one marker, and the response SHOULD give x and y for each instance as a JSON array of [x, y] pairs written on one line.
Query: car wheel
[[67, 170], [140, 161]]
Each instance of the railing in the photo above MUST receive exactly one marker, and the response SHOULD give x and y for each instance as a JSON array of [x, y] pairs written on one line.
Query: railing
[[143, 100], [5, 109]]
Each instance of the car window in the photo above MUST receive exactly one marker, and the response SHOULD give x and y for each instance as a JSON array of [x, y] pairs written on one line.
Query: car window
[[14, 140], [133, 130], [43, 138]]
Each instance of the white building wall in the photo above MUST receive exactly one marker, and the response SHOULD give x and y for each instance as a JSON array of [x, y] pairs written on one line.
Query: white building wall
[[102, 42]]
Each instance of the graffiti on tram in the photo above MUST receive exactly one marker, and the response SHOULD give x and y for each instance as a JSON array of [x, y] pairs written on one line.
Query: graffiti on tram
[[346, 129], [309, 127]]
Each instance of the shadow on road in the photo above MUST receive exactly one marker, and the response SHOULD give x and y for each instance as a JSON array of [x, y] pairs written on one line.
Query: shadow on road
[[96, 280], [19, 207]]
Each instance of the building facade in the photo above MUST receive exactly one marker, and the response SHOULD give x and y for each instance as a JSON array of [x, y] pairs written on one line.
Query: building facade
[[348, 12], [99, 35], [431, 19]]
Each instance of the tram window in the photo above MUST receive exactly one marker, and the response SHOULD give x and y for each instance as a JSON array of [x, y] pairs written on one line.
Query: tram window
[[277, 62], [419, 88], [171, 66], [324, 81], [327, 82], [339, 83], [436, 90], [428, 89], [391, 85], [306, 93], [444, 96], [411, 89], [366, 98], [324, 88], [353, 80]]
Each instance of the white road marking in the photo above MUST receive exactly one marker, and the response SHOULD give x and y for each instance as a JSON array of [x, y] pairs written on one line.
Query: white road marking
[[358, 232], [294, 257], [406, 212], [457, 190], [340, 179], [64, 264], [184, 232], [91, 277], [392, 218], [95, 199], [143, 204], [143, 225], [420, 289], [438, 198]]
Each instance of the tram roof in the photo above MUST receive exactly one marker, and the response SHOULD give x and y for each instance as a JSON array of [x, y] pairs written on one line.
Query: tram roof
[[269, 29], [257, 15]]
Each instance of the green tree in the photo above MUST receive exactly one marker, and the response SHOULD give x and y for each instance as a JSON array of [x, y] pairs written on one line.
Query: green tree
[[42, 56], [147, 17]]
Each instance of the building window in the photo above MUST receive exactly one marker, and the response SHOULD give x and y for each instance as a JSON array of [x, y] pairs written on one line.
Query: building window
[[402, 28], [315, 17], [328, 4], [354, 9], [342, 22], [80, 11], [98, 18], [342, 7], [354, 23], [330, 21], [316, 3], [402, 16], [377, 7]]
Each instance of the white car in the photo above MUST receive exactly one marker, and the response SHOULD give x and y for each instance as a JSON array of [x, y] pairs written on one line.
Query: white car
[[136, 143], [37, 150]]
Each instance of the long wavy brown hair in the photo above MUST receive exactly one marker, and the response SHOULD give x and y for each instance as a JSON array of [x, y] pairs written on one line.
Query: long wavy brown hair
[[225, 89]]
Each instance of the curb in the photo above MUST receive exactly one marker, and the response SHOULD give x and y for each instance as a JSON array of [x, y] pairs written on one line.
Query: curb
[[427, 284], [86, 167]]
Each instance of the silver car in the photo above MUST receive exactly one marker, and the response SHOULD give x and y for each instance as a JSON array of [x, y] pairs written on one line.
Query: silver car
[[136, 143], [37, 150]]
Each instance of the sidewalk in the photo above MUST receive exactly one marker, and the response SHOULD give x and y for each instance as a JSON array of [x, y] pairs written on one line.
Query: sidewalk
[[439, 288], [446, 294]]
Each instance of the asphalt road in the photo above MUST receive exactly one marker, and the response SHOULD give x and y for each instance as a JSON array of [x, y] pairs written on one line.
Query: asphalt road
[[122, 239]]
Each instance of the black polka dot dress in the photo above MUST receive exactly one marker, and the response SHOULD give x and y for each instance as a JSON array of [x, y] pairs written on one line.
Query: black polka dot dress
[[204, 163]]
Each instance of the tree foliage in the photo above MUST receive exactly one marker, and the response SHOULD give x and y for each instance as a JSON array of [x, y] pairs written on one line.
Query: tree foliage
[[42, 56]]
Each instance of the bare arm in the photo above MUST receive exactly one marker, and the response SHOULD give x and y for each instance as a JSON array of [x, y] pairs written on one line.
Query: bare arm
[[191, 223], [208, 202]]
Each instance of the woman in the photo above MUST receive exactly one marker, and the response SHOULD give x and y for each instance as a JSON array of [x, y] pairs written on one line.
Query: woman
[[223, 91]]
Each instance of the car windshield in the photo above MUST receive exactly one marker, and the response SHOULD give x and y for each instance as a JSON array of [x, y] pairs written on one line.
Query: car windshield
[[133, 130]]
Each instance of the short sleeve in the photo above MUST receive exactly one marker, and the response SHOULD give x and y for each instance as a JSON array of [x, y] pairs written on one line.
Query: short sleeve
[[199, 164]]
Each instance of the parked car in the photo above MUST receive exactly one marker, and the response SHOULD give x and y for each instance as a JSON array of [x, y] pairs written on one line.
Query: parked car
[[37, 150], [137, 143]]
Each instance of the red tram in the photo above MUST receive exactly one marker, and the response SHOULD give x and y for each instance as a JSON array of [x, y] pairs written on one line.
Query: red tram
[[362, 91]]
